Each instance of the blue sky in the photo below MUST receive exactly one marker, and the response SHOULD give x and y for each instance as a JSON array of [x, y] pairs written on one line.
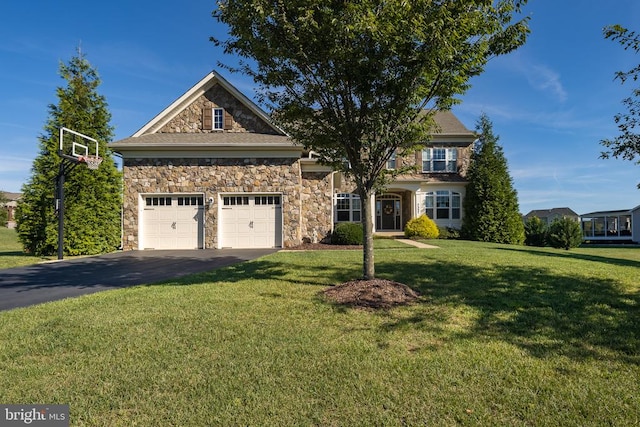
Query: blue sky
[[551, 102]]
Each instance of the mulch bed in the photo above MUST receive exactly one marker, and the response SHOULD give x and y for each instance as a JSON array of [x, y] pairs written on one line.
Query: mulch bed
[[371, 294], [364, 294]]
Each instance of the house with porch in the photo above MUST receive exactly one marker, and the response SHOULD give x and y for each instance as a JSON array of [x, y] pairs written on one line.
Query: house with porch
[[212, 170], [611, 226]]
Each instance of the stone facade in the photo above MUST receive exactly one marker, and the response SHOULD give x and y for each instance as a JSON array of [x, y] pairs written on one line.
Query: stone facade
[[190, 119], [306, 197], [215, 176], [317, 206], [415, 161]]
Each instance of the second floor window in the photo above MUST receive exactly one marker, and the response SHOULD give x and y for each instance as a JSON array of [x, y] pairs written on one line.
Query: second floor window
[[391, 163], [439, 160], [218, 118]]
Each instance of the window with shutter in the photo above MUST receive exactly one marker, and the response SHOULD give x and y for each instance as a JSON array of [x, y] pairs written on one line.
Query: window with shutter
[[228, 120], [207, 119]]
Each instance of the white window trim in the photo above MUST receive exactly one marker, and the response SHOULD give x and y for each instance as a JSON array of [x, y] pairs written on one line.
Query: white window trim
[[451, 160], [350, 197], [392, 162], [214, 123], [434, 205]]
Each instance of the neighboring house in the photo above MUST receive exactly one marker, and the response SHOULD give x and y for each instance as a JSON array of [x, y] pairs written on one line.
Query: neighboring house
[[10, 206], [212, 170], [612, 226], [549, 215]]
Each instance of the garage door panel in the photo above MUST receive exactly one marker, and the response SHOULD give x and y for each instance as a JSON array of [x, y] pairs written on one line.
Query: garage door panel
[[255, 223], [173, 222]]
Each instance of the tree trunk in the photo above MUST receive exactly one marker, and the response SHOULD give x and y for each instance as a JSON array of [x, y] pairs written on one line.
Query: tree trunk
[[368, 265]]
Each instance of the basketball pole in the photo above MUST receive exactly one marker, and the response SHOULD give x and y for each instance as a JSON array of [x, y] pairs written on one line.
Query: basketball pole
[[67, 164]]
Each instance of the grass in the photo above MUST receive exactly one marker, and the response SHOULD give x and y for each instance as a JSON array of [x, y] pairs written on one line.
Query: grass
[[503, 335], [11, 254]]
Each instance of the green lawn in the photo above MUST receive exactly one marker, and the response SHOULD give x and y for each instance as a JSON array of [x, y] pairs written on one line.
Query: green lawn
[[503, 335], [11, 254]]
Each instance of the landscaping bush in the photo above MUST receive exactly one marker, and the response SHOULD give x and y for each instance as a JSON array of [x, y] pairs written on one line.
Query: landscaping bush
[[565, 233], [348, 233], [422, 227], [448, 233], [535, 232]]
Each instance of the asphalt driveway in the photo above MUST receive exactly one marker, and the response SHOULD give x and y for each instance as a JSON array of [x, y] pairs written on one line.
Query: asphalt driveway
[[35, 284]]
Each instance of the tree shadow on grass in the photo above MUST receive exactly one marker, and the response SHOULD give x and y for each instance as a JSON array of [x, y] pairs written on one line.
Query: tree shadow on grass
[[622, 262], [534, 308]]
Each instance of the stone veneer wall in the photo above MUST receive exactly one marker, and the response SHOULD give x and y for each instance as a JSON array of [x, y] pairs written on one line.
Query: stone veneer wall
[[464, 160], [190, 119], [213, 176], [317, 206]]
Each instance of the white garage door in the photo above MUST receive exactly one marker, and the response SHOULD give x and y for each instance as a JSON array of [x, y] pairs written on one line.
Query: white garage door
[[250, 221], [173, 222]]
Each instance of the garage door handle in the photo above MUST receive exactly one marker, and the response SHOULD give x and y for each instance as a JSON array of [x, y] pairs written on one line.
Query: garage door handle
[[173, 225], [251, 224]]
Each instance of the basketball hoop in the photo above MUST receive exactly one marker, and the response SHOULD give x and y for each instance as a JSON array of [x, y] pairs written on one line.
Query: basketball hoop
[[93, 162]]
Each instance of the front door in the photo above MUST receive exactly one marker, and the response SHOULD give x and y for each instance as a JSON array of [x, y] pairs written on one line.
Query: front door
[[388, 213]]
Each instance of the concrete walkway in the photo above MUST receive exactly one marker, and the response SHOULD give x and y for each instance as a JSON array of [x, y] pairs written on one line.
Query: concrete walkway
[[416, 243], [399, 236]]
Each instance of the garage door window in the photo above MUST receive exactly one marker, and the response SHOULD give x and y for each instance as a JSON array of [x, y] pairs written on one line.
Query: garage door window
[[268, 200], [190, 201], [158, 201], [235, 201]]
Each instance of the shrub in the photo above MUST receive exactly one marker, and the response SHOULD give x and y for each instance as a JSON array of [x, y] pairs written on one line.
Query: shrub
[[565, 233], [535, 232], [348, 233], [448, 233], [422, 227]]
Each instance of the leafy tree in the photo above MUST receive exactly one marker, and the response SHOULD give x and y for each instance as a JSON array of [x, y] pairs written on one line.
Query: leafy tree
[[535, 232], [351, 80], [4, 213], [627, 144], [565, 233], [491, 212], [92, 198]]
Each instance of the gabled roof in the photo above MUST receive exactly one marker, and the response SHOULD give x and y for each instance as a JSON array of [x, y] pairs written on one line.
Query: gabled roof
[[11, 196], [545, 213], [450, 125], [192, 94]]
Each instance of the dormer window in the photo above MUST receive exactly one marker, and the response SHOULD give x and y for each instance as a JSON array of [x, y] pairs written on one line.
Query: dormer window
[[439, 160]]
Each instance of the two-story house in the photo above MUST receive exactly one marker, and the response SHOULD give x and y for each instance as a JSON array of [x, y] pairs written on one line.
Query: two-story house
[[212, 170]]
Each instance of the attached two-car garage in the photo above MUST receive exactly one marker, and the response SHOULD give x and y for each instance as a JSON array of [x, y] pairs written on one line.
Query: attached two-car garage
[[178, 221]]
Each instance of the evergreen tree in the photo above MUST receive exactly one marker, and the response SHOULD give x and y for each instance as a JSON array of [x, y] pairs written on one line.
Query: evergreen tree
[[92, 197], [565, 233], [535, 232], [491, 212]]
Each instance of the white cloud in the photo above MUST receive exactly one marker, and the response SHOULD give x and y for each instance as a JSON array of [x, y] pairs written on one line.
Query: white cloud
[[544, 79]]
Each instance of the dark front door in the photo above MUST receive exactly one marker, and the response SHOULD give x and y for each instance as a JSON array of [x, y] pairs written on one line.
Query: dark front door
[[388, 214]]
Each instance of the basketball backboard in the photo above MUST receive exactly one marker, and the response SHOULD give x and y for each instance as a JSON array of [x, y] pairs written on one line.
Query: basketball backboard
[[79, 147]]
